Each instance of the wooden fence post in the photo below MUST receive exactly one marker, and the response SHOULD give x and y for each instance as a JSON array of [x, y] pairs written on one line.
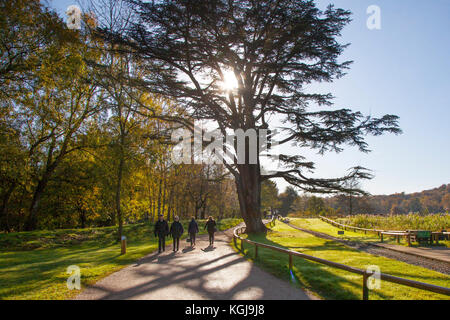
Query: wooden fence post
[[290, 262], [123, 248], [365, 288], [256, 251]]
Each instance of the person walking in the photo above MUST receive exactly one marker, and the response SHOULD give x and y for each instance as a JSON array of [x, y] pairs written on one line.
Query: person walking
[[210, 226], [193, 230], [162, 231], [176, 230]]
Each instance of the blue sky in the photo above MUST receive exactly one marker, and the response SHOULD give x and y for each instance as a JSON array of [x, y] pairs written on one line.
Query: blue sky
[[402, 69]]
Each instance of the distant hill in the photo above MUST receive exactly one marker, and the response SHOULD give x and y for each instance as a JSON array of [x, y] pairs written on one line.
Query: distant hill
[[435, 200]]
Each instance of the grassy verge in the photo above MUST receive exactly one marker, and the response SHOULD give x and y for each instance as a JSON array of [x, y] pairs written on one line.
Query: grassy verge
[[33, 264], [318, 225], [331, 283]]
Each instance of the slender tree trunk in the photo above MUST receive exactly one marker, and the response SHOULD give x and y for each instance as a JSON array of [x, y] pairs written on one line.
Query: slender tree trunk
[[202, 211], [204, 207], [196, 210], [82, 215], [163, 205], [350, 204], [159, 196], [170, 203], [153, 207], [169, 209], [118, 193], [4, 223], [248, 185]]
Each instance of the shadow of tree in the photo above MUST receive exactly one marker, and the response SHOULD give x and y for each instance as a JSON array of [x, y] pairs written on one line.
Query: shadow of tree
[[224, 275]]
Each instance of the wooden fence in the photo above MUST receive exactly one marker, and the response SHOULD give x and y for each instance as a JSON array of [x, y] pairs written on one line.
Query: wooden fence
[[365, 273], [395, 233]]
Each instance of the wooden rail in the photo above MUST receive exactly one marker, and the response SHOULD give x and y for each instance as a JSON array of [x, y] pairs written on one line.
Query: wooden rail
[[365, 273], [345, 227], [397, 234]]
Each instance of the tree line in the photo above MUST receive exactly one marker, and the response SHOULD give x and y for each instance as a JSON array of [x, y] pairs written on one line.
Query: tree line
[[81, 148], [431, 201], [87, 115]]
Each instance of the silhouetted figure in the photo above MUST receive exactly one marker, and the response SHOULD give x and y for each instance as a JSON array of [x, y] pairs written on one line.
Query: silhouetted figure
[[176, 230], [162, 231], [210, 226], [193, 230]]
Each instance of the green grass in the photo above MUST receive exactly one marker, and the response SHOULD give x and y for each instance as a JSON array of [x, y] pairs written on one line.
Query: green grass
[[315, 224], [332, 283], [33, 264]]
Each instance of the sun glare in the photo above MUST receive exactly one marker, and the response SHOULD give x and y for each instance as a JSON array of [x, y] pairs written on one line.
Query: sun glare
[[230, 81]]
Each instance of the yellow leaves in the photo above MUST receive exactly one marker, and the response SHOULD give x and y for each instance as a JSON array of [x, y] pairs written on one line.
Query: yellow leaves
[[91, 20]]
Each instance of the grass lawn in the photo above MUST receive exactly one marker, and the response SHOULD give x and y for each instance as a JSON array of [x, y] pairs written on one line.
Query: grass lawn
[[331, 283], [315, 224], [33, 264]]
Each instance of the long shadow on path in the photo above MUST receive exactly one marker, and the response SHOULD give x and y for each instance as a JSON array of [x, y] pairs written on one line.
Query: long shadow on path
[[210, 273]]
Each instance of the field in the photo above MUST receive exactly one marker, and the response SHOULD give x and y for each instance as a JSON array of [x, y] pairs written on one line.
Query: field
[[315, 224], [331, 283], [412, 221], [33, 264]]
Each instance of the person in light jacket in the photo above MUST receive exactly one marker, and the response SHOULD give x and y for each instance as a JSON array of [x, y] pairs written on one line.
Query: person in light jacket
[[176, 230]]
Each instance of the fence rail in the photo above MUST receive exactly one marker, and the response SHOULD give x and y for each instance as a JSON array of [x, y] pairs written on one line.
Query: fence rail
[[365, 273], [344, 226], [397, 234]]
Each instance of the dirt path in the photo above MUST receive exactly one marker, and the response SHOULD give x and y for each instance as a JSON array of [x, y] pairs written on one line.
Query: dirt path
[[201, 273], [435, 265]]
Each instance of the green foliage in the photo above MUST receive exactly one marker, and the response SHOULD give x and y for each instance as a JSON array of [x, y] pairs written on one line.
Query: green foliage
[[269, 196], [287, 199]]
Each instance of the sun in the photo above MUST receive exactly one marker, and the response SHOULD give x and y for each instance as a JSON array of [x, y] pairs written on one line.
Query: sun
[[229, 81]]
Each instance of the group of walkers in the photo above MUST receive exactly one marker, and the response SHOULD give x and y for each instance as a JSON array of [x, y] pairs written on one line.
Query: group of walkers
[[176, 231]]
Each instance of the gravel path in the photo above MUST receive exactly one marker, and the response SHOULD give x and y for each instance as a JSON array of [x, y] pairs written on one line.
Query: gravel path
[[438, 266], [201, 273]]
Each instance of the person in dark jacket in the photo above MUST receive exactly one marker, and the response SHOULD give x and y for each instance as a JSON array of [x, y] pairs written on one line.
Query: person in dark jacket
[[193, 230], [176, 230], [162, 231], [210, 226]]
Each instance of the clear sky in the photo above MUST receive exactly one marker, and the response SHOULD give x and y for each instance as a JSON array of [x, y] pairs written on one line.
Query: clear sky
[[401, 69]]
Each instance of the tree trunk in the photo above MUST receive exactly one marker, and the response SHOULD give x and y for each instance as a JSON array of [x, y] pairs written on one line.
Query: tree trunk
[[170, 203], [118, 193], [163, 205], [248, 185], [4, 223], [350, 205], [159, 196], [82, 215], [31, 222]]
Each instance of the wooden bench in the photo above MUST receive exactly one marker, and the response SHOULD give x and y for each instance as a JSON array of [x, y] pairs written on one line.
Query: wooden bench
[[420, 236]]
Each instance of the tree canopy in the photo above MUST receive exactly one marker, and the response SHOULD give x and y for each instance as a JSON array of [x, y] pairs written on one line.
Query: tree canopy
[[274, 49]]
